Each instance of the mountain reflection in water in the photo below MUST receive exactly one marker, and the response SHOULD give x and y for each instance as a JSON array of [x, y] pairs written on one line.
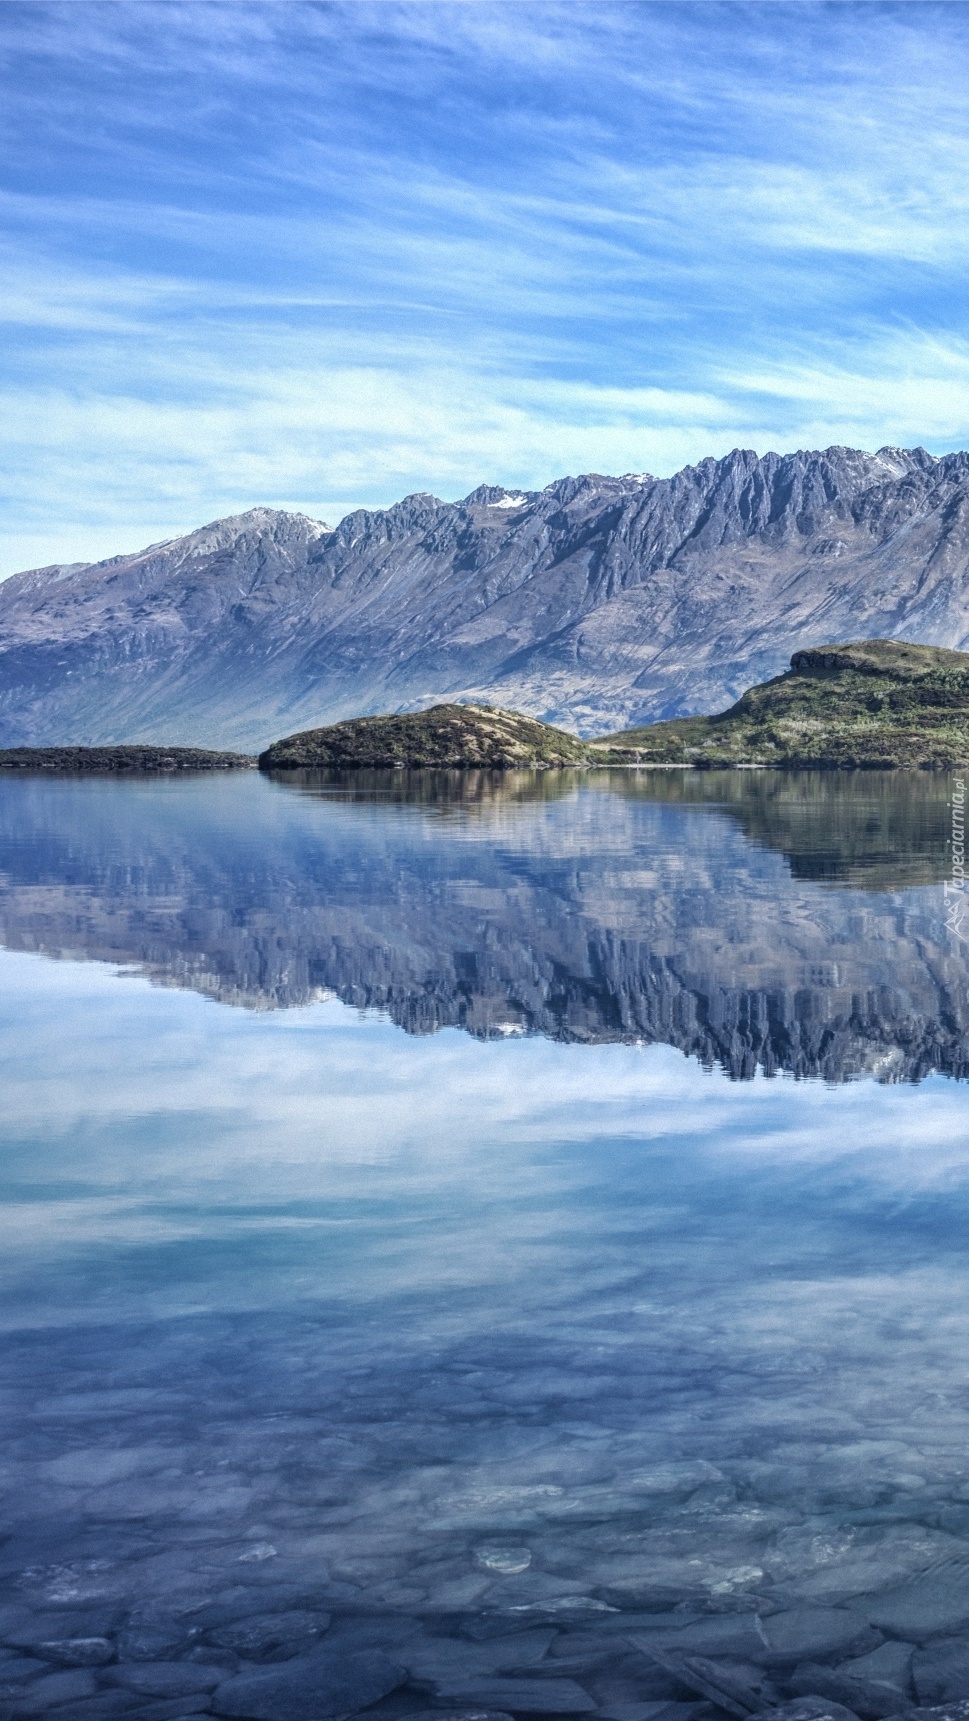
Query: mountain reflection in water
[[346, 1372], [755, 920]]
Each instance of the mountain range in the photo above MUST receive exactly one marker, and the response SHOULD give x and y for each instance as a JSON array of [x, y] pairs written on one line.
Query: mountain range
[[597, 603]]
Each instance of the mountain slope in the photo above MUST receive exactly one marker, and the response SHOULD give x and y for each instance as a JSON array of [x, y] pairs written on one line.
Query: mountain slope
[[597, 603]]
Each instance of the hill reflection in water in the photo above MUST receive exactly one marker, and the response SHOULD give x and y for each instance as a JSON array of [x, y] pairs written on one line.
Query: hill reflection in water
[[755, 920]]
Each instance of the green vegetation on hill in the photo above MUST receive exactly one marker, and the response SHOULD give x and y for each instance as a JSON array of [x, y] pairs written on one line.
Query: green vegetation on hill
[[877, 703], [460, 735]]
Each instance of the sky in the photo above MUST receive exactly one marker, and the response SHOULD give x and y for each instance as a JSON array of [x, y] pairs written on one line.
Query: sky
[[320, 256]]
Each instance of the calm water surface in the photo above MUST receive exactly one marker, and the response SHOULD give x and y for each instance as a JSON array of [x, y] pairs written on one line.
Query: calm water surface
[[462, 1235]]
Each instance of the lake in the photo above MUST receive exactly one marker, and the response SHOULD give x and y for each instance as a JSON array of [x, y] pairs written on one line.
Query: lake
[[481, 1242]]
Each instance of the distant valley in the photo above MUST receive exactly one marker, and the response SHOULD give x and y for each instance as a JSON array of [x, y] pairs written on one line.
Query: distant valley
[[596, 604]]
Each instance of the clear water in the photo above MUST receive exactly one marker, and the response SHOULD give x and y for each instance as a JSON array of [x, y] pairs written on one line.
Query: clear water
[[498, 1230]]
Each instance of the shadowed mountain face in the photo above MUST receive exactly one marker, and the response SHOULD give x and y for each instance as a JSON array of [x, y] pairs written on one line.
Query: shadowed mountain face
[[596, 603], [779, 922]]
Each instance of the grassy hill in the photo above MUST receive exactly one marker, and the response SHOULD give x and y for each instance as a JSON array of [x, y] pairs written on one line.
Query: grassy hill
[[877, 703], [456, 735]]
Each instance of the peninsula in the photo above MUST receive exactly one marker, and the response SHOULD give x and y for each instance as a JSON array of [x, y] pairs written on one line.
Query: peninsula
[[874, 704]]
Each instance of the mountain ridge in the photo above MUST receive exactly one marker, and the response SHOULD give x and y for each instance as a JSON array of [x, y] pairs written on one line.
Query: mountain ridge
[[596, 603]]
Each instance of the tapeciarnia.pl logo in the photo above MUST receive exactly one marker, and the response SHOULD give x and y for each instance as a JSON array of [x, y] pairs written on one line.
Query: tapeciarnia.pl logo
[[954, 888]]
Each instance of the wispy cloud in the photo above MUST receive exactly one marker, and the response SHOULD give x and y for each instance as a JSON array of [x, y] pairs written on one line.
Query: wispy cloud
[[331, 253], [906, 382]]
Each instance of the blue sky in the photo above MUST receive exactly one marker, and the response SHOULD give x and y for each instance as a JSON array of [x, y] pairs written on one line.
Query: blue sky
[[319, 256]]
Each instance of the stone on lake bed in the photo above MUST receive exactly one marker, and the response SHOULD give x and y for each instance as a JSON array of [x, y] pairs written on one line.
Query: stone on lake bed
[[865, 1697], [889, 1664], [815, 1633], [651, 1711], [522, 1697], [812, 1709], [41, 1696], [310, 1687], [151, 1634], [32, 1629], [447, 1662], [937, 1712], [19, 1667], [121, 1705], [931, 1606], [260, 1635], [165, 1678], [79, 1651], [458, 1715], [733, 1635], [940, 1671], [737, 1687], [505, 1560]]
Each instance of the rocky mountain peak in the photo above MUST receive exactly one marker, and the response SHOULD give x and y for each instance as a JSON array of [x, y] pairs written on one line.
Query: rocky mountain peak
[[274, 525], [496, 496]]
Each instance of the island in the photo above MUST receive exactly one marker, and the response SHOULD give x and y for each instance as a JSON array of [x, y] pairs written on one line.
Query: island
[[462, 736], [121, 759], [874, 704]]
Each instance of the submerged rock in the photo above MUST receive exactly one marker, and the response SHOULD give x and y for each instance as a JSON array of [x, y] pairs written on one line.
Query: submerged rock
[[890, 1665], [864, 1697], [809, 1633], [268, 1634], [942, 1712], [42, 1696], [165, 1678], [940, 1671], [812, 1709], [929, 1606], [79, 1651], [526, 1696], [310, 1688]]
